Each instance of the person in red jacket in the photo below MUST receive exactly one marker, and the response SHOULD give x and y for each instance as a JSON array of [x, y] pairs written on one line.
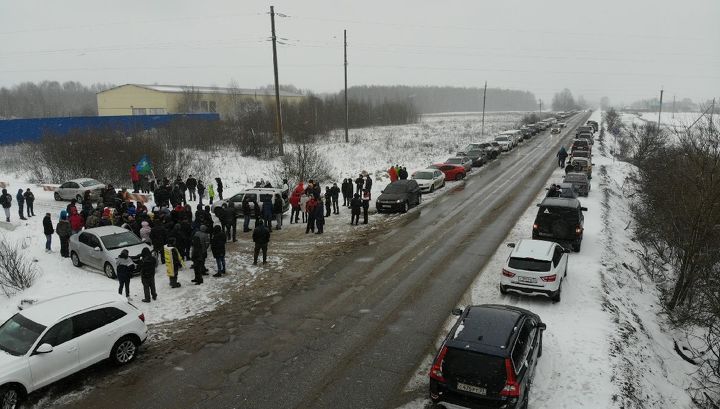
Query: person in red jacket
[[295, 204], [135, 178], [393, 174], [76, 220]]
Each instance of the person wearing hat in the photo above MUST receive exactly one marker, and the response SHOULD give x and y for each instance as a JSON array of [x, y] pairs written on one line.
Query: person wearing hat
[[261, 237], [29, 200], [6, 201], [64, 231], [124, 270], [48, 230], [147, 274]]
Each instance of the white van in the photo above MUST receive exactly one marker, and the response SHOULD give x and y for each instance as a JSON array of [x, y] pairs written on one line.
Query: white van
[[515, 135]]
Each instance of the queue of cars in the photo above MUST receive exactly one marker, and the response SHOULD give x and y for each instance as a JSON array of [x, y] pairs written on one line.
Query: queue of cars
[[489, 356]]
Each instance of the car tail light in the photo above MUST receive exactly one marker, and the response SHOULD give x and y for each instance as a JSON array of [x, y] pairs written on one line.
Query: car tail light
[[535, 226], [507, 273], [578, 230], [511, 388], [142, 317], [549, 279], [436, 370]]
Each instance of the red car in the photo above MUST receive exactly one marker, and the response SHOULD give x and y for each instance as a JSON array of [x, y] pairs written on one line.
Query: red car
[[452, 172]]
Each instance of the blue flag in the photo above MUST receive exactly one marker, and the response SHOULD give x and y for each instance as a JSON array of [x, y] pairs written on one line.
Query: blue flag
[[144, 166]]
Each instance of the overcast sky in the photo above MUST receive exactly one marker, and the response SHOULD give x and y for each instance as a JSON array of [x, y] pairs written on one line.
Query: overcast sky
[[623, 49]]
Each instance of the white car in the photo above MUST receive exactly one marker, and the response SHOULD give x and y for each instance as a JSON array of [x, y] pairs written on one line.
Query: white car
[[60, 336], [535, 267], [506, 143], [429, 179], [76, 188], [100, 247]]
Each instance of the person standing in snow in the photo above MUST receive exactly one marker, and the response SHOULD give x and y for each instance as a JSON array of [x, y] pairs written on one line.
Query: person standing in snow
[[247, 210], [6, 202], [198, 259], [134, 178], [217, 246], [145, 231], [365, 205], [310, 210], [211, 193], [368, 183], [355, 205], [64, 231], [403, 173], [328, 201], [295, 207], [147, 274], [29, 200], [158, 238], [267, 212], [278, 211], [124, 270], [304, 198], [48, 230], [21, 203], [191, 183], [174, 262], [201, 190], [392, 172], [335, 196], [343, 190], [219, 188], [359, 182], [562, 155], [261, 237], [319, 216]]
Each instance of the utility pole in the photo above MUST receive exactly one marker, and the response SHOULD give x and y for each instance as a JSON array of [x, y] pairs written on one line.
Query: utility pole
[[673, 115], [482, 130], [347, 139], [278, 120], [660, 113]]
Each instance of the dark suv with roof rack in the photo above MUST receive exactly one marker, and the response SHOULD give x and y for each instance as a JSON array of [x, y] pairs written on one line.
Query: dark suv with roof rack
[[488, 359], [560, 220]]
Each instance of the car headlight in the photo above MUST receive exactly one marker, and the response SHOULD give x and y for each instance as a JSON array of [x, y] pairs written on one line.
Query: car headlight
[[398, 201]]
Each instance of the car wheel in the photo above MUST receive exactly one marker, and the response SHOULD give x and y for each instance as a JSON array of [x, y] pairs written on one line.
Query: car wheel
[[125, 350], [109, 270], [577, 245], [556, 297], [503, 290], [75, 259], [432, 188], [10, 397], [404, 207], [57, 196], [443, 184], [458, 176]]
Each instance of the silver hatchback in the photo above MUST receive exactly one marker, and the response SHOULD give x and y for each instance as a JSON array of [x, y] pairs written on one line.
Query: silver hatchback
[[100, 247]]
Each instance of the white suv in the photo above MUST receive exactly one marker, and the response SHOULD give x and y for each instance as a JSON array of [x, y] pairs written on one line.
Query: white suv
[[535, 267], [58, 337]]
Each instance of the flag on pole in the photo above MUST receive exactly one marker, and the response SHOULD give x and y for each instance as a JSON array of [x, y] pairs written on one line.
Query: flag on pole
[[144, 166]]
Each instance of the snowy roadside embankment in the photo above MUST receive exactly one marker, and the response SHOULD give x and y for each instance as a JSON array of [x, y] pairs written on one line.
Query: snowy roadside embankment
[[606, 344]]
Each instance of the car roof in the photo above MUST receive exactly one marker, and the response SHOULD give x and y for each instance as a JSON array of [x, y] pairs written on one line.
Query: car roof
[[403, 182], [576, 175], [50, 311], [447, 164], [535, 249], [105, 230], [261, 190], [488, 329], [431, 170], [83, 180], [560, 202]]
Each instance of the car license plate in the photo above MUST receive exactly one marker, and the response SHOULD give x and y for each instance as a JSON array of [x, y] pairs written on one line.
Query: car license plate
[[385, 205], [526, 280], [469, 388]]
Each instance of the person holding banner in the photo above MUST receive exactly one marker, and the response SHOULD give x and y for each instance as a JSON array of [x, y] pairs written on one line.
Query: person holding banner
[[173, 262]]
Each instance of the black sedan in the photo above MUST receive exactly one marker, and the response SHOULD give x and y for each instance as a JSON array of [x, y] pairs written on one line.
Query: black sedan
[[399, 196]]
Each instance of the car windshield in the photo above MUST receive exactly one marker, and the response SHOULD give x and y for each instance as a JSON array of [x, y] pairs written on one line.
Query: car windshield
[[474, 153], [91, 182], [575, 178], [529, 264], [423, 175], [454, 160], [501, 139], [395, 188], [18, 334], [120, 240]]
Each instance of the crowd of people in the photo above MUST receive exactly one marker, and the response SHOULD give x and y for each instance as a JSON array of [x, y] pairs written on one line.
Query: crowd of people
[[25, 201]]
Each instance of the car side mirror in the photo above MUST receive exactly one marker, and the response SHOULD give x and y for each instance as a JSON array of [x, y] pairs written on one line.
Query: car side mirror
[[97, 249], [542, 326], [511, 245], [44, 349], [538, 205], [457, 311], [584, 209]]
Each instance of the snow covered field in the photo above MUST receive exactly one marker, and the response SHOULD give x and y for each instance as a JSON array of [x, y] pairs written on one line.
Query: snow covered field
[[415, 146], [605, 344]]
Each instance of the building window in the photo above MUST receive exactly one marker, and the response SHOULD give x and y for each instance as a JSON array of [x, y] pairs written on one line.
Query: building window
[[212, 107], [156, 111], [139, 111]]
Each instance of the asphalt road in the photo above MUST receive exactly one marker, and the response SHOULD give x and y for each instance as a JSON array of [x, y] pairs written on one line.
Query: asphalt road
[[353, 336]]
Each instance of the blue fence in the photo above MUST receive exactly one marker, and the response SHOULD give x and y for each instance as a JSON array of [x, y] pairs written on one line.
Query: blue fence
[[28, 130]]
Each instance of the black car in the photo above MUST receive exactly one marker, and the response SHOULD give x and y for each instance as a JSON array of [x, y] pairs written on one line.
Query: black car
[[477, 155], [560, 220], [399, 195], [488, 359]]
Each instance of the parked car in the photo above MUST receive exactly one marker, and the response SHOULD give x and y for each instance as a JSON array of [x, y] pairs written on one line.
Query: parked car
[[568, 191], [399, 195], [581, 145], [505, 142], [100, 247], [515, 134], [53, 339], [580, 180], [527, 132], [498, 148], [429, 179], [581, 165], [560, 220], [535, 267], [76, 188], [579, 154], [594, 124], [451, 172], [463, 161], [585, 128], [488, 358], [555, 129], [477, 156], [258, 194], [491, 152], [562, 124]]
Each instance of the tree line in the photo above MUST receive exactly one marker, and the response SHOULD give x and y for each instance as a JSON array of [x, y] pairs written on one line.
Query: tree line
[[436, 99], [48, 99]]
